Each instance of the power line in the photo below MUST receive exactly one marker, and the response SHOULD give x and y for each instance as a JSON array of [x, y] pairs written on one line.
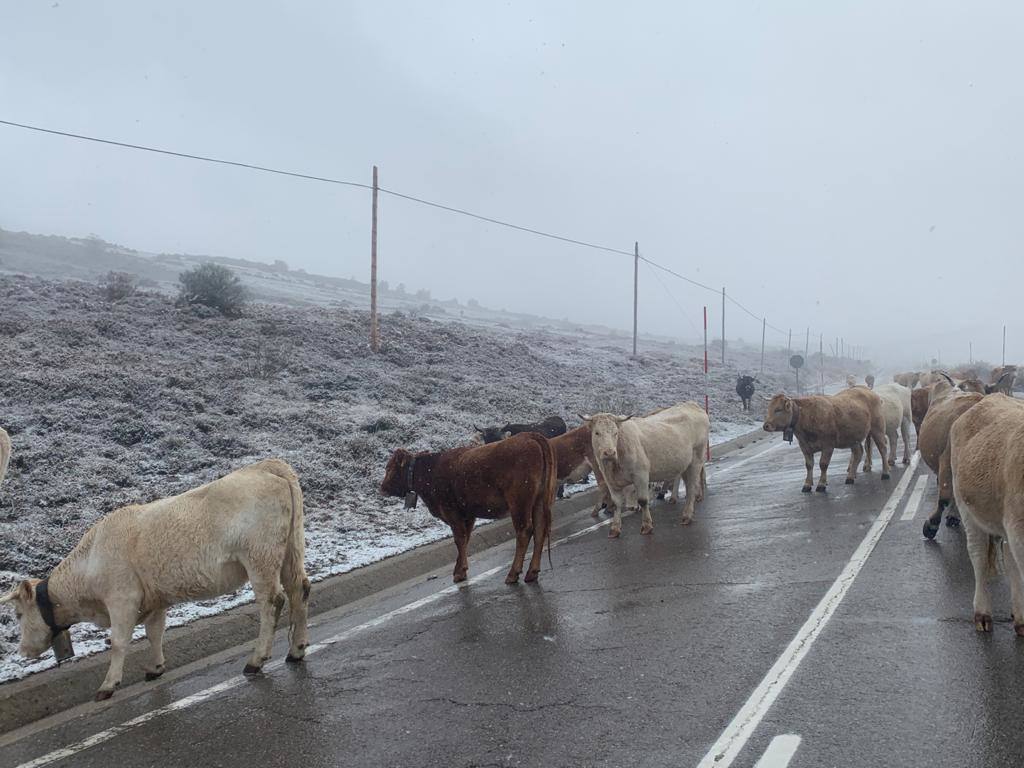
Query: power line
[[671, 296], [186, 155], [393, 193]]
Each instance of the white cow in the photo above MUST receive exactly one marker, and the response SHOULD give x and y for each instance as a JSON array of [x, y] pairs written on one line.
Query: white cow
[[140, 560], [896, 409], [667, 446], [5, 453]]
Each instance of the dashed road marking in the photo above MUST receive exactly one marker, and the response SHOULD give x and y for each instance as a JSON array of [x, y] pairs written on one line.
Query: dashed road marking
[[779, 752], [743, 725], [915, 499]]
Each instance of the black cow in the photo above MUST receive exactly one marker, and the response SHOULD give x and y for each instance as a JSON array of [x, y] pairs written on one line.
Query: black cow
[[745, 389], [552, 426]]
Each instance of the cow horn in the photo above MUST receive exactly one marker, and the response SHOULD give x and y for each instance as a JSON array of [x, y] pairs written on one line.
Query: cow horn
[[947, 377], [621, 419], [585, 417]]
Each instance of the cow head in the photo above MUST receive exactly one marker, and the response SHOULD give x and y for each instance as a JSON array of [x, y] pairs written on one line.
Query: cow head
[[972, 385], [35, 634], [490, 434], [395, 475], [779, 416], [604, 434]]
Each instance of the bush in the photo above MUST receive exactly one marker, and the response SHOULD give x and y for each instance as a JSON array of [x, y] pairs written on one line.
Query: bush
[[117, 285], [212, 285]]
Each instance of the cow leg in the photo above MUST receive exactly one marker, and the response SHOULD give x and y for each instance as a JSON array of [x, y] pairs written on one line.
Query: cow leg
[[692, 476], [878, 435], [851, 470], [541, 530], [978, 549], [461, 529], [618, 498], [642, 486], [155, 623], [892, 437], [1014, 565], [905, 434], [868, 463], [122, 621], [809, 463], [826, 457], [523, 535], [703, 481], [270, 599]]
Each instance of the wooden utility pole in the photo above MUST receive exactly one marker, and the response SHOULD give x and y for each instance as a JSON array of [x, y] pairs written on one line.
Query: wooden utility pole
[[636, 278], [821, 364], [807, 343], [723, 325], [1004, 345], [374, 327], [764, 326], [789, 344]]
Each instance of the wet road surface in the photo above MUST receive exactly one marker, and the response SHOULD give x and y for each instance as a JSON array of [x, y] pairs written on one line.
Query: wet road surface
[[641, 651]]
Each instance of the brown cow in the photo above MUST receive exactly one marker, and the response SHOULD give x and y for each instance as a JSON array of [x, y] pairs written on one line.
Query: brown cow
[[516, 476], [933, 442], [824, 423], [987, 458], [922, 398]]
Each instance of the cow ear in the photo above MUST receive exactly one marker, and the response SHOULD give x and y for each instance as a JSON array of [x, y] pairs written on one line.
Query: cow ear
[[21, 593]]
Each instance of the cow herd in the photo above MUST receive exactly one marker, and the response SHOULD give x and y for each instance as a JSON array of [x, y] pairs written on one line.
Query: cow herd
[[138, 561]]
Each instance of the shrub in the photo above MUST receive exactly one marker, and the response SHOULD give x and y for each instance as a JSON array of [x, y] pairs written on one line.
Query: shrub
[[117, 285], [212, 285]]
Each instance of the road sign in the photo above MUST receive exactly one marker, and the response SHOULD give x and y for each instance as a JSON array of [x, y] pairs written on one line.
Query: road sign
[[797, 361]]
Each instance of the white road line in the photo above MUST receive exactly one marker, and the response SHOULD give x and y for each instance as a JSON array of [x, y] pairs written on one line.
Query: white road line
[[742, 727], [915, 499], [741, 462], [779, 752], [234, 682]]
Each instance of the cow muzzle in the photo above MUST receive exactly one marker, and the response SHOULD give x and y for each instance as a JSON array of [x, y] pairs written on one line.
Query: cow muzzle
[[769, 427]]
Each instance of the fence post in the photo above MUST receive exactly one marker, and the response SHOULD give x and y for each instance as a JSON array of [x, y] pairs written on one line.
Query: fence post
[[764, 325], [374, 327], [636, 278], [723, 325], [707, 407]]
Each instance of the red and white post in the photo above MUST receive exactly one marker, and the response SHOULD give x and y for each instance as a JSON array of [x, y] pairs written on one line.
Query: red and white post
[[707, 409]]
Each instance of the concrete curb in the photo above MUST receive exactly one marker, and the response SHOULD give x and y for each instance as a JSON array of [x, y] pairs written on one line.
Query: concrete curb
[[54, 690]]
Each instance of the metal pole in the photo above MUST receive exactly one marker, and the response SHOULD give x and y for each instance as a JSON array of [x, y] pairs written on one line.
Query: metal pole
[[764, 325], [789, 344], [707, 407], [374, 327], [821, 364], [723, 325], [807, 343], [970, 353], [636, 278]]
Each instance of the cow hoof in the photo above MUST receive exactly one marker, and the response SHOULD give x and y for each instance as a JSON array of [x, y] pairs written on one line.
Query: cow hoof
[[153, 675], [930, 529], [457, 577], [614, 533], [952, 521], [290, 659], [806, 489], [646, 530], [821, 489], [252, 669], [686, 520], [905, 461], [531, 576], [102, 695], [512, 578], [982, 622], [849, 481], [885, 475]]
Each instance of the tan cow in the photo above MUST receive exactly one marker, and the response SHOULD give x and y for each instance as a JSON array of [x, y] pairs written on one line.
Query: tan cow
[[896, 408], [1003, 379], [5, 453], [822, 423], [933, 442], [908, 379], [667, 446], [987, 456], [138, 561]]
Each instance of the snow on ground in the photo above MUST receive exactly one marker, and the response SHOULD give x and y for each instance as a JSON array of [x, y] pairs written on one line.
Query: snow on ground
[[109, 404]]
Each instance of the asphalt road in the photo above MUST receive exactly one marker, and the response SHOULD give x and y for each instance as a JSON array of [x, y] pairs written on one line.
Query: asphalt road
[[772, 631]]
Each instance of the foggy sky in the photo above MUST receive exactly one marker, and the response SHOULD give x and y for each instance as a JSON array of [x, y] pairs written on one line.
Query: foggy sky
[[854, 167]]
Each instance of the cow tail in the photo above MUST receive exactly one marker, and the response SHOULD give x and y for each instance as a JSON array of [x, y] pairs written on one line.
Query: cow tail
[[293, 571], [549, 485], [993, 559]]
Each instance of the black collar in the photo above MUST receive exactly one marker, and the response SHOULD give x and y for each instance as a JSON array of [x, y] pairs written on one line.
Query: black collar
[[46, 607], [409, 470]]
